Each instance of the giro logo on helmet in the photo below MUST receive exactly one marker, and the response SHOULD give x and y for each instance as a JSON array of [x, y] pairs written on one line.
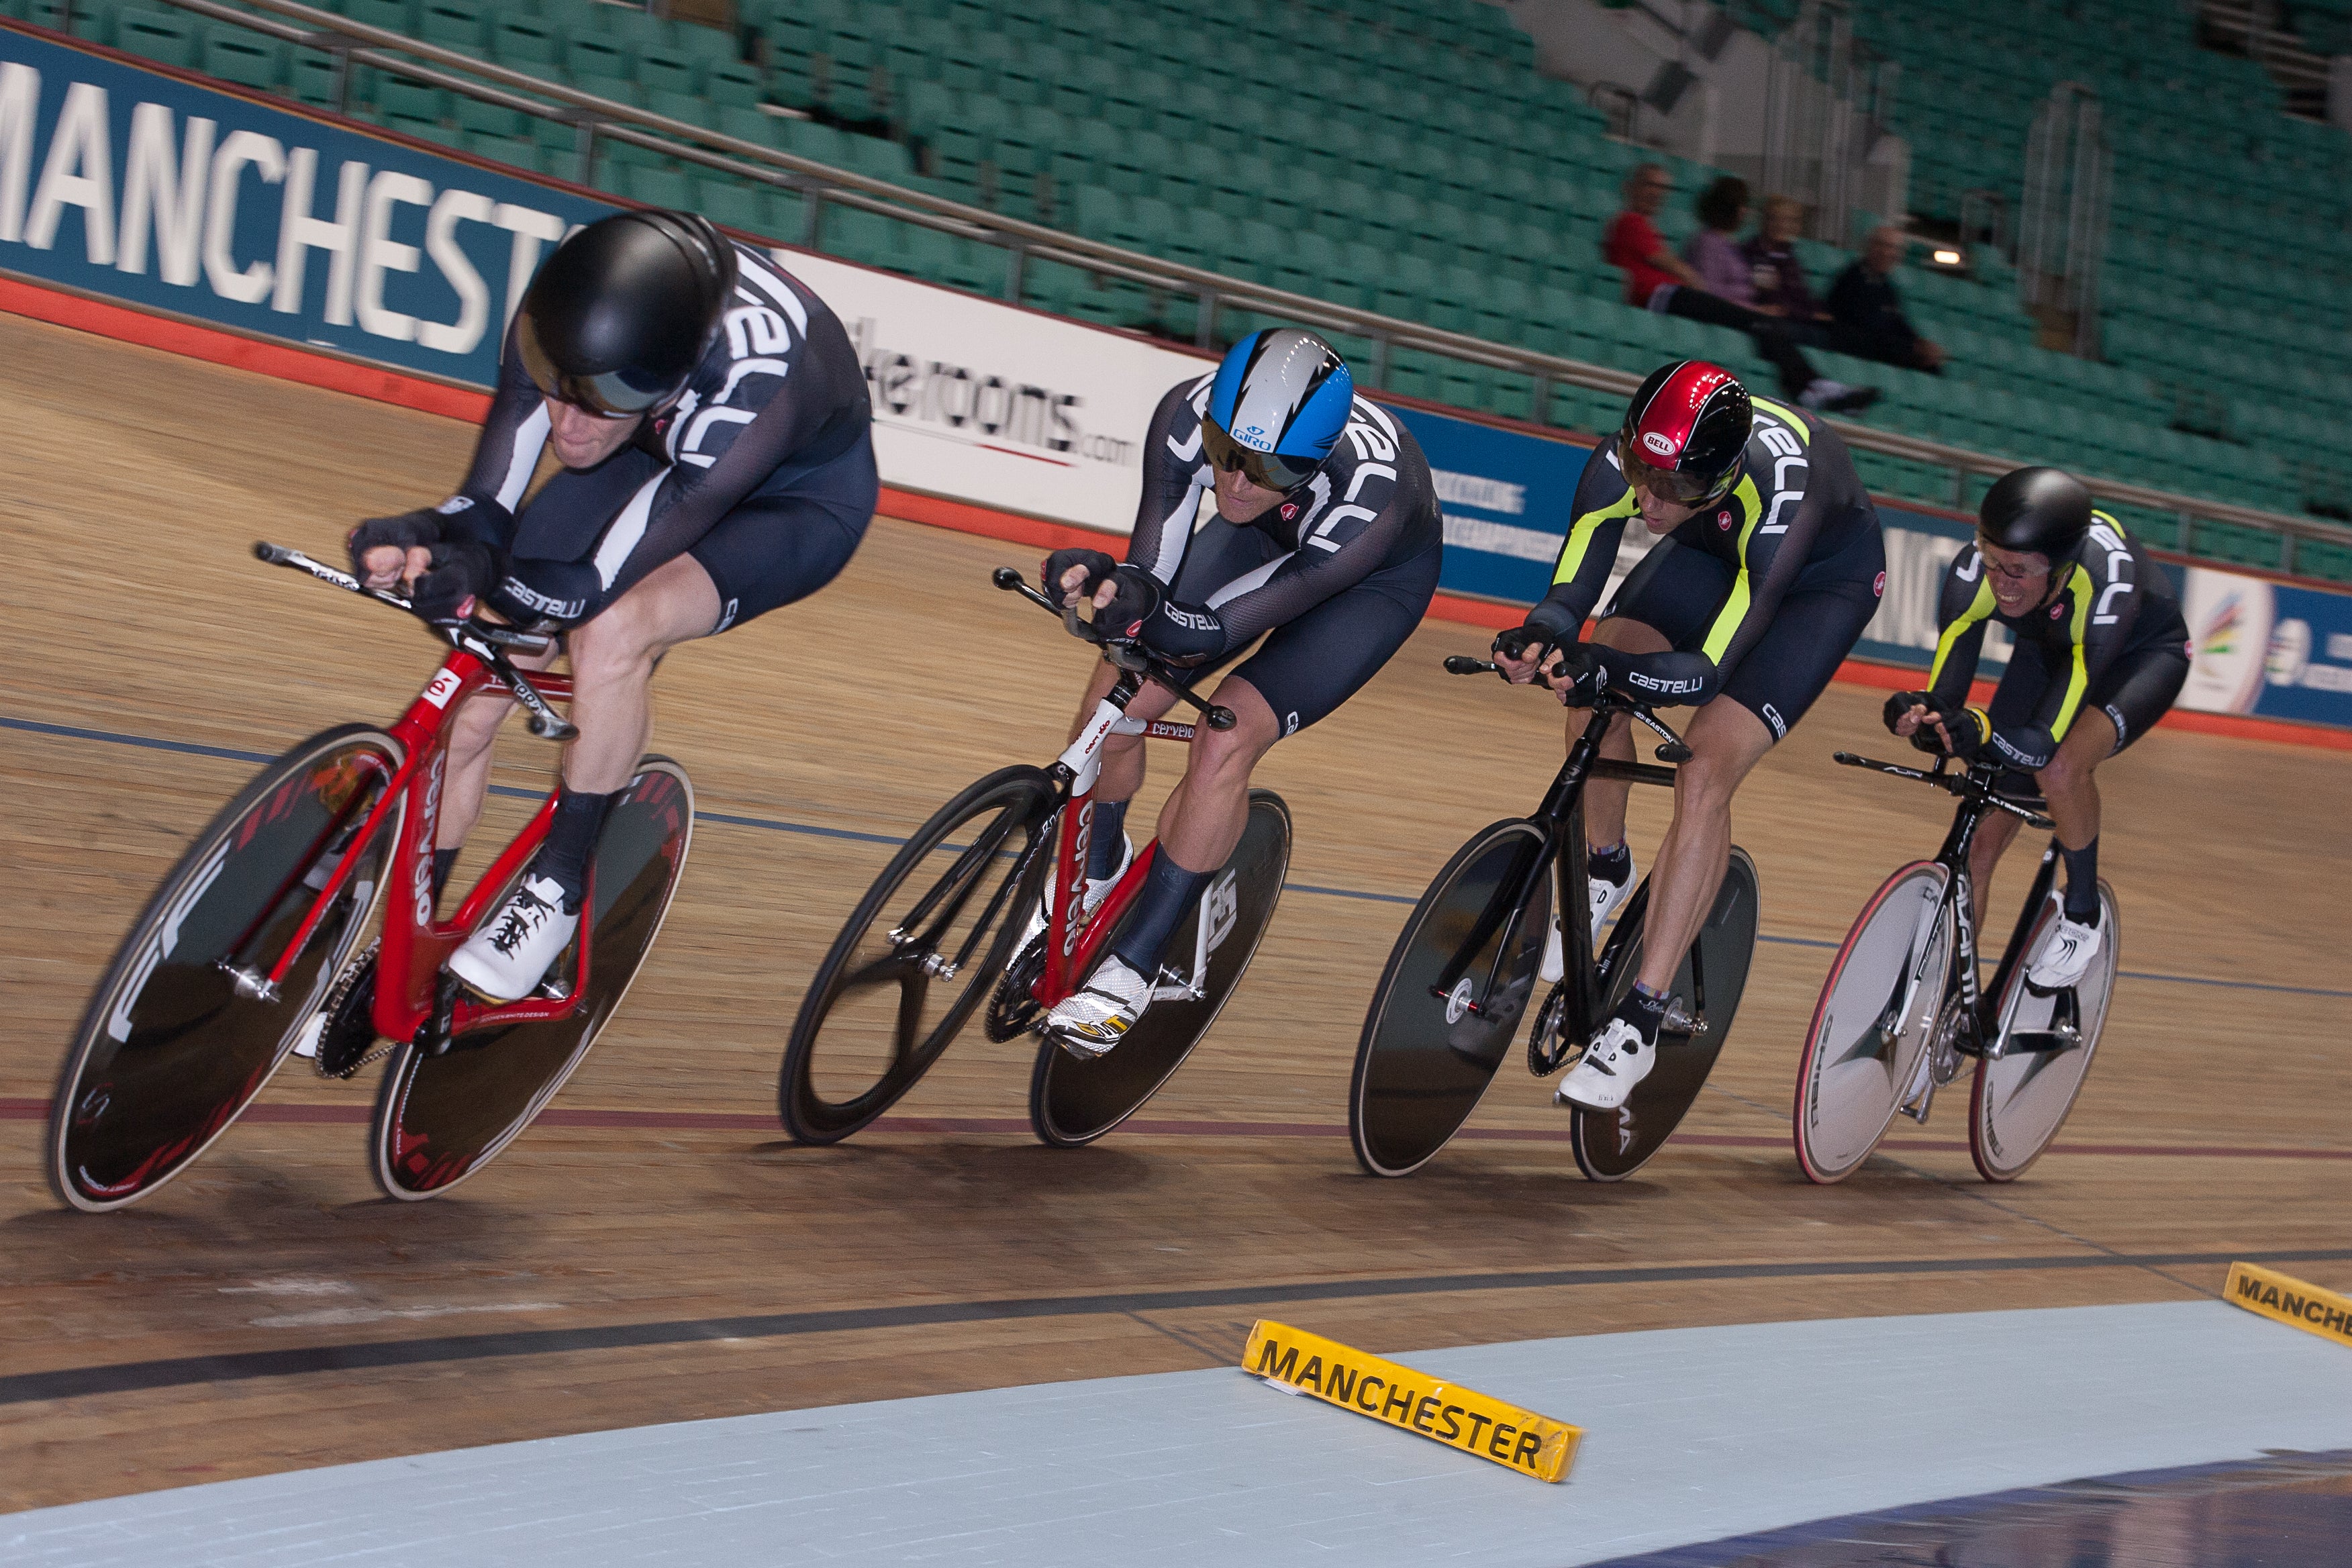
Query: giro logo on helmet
[[1658, 444]]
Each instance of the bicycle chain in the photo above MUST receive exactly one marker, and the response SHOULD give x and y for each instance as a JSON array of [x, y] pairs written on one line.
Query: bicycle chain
[[357, 980]]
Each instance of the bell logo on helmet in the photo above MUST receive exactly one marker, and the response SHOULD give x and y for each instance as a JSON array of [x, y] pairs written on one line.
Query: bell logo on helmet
[[1658, 444]]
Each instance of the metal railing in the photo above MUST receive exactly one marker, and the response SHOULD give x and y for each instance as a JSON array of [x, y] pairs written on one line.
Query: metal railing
[[355, 44]]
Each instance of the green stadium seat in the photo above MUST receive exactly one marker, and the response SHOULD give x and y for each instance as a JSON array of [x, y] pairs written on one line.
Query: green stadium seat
[[168, 38], [526, 43], [249, 59]]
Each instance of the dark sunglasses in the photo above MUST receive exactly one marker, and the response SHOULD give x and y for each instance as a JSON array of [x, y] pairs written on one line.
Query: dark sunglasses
[[1267, 471], [606, 392]]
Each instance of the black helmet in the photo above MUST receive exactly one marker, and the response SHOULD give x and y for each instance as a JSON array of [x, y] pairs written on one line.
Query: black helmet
[[625, 310], [2045, 510]]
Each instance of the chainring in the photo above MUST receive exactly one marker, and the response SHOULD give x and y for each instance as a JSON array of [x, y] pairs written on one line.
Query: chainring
[[1548, 1052], [348, 1041], [1014, 1006]]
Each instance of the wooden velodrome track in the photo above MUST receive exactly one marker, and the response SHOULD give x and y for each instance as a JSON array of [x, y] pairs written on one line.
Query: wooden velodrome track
[[949, 1251]]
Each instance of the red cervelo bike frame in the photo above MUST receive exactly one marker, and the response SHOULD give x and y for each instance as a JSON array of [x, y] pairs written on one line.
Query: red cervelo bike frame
[[415, 944], [1075, 940]]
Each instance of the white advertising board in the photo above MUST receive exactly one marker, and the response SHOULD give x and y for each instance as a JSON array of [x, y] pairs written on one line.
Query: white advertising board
[[996, 405]]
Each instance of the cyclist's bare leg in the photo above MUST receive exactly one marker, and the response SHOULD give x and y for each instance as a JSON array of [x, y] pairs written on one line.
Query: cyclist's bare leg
[[613, 659], [1727, 742], [2067, 785], [1209, 806], [1994, 836], [1604, 799]]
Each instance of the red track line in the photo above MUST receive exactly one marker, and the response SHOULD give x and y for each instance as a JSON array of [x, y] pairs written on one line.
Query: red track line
[[744, 1121]]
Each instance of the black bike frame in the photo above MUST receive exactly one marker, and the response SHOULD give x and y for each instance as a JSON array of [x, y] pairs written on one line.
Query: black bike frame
[[1560, 818]]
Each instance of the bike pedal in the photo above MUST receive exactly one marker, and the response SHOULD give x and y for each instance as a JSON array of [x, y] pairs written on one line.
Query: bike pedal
[[553, 989]]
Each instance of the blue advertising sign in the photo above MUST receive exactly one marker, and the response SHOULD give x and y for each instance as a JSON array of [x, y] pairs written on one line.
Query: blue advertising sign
[[129, 184], [1506, 496]]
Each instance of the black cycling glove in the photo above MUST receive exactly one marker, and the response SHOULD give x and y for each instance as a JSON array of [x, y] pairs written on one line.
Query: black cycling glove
[[1579, 675], [462, 571], [409, 530], [1099, 567]]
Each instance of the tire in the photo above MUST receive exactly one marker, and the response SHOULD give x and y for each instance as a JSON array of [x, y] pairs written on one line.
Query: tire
[[1074, 1102], [870, 1025], [1423, 1062], [168, 1054], [2019, 1102], [1874, 1022], [1611, 1145], [440, 1120]]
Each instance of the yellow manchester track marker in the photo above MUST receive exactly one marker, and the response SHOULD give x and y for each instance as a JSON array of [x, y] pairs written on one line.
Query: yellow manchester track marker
[[1299, 1363], [2289, 1300]]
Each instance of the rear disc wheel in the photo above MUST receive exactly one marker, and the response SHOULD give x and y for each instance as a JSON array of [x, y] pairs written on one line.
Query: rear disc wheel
[[2019, 1102]]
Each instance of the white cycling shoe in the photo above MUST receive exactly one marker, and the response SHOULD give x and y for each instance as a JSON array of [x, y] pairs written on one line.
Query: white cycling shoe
[[1097, 890], [1096, 1016], [1617, 1060], [513, 949], [1606, 896], [2064, 956]]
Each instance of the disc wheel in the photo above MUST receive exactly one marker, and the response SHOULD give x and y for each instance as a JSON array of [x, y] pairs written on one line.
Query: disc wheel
[[1611, 1145], [1073, 1102], [440, 1119], [918, 954], [1423, 1060], [1874, 1023], [169, 1052], [2021, 1099]]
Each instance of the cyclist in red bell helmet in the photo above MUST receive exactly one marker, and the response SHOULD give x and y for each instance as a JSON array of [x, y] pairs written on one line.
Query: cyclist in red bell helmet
[[1771, 565]]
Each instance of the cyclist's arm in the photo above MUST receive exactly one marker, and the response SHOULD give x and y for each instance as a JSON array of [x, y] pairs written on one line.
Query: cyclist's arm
[[797, 404], [1773, 551], [1589, 553], [1963, 610], [1174, 476], [505, 455]]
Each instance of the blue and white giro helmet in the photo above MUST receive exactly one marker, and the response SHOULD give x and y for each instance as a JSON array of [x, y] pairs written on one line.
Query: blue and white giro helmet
[[1276, 408]]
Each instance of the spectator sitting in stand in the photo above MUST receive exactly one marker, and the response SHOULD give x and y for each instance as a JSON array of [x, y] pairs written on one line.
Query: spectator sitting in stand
[[1868, 312], [1777, 277], [1658, 280]]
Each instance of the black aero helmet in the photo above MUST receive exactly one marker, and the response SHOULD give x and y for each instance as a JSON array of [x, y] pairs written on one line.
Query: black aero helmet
[[625, 310], [2045, 510]]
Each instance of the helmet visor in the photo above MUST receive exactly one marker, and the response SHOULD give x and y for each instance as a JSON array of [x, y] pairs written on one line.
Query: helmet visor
[[1267, 471], [608, 393], [1683, 490]]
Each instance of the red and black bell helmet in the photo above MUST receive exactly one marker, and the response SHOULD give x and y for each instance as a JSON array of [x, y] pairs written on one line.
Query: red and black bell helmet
[[1686, 432]]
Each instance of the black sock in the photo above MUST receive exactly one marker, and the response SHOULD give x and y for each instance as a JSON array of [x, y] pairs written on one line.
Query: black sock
[[1106, 838], [1167, 892], [444, 862], [1612, 865], [564, 859], [1645, 1011], [2082, 882]]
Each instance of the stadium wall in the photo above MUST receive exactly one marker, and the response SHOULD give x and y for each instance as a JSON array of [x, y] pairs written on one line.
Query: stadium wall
[[150, 204]]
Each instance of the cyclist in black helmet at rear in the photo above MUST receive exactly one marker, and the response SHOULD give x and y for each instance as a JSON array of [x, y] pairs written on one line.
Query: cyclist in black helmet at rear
[[1772, 565], [718, 461], [2101, 651]]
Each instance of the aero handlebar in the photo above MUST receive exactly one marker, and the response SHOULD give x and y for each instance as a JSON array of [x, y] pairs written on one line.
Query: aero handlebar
[[486, 640], [1974, 784], [1124, 656], [1674, 750]]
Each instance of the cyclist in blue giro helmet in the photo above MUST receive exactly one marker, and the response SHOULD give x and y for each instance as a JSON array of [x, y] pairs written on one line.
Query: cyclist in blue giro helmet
[[1276, 406], [1325, 542]]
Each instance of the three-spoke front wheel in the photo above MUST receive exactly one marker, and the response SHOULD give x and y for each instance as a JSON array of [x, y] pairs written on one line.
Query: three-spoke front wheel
[[918, 954], [173, 1048]]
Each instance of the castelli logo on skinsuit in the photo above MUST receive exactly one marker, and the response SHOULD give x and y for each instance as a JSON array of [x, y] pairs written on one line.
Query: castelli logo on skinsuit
[[1723, 521], [2057, 611], [1290, 511], [1658, 444], [1878, 589]]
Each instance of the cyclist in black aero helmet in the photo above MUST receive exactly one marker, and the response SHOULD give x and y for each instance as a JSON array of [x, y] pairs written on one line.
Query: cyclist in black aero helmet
[[2101, 651], [718, 461]]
